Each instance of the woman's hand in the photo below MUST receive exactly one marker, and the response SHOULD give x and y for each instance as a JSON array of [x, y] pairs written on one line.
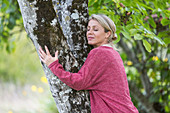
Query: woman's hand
[[46, 57]]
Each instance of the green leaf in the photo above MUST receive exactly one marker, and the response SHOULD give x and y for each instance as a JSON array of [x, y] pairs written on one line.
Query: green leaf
[[167, 40], [102, 11], [133, 31], [138, 37], [142, 9], [140, 21], [129, 26], [163, 34], [135, 20], [160, 40], [152, 22], [147, 45], [167, 13], [155, 4], [163, 14], [141, 4], [126, 34], [165, 22], [140, 28], [147, 26], [149, 35], [99, 2], [116, 1], [4, 6], [91, 2], [115, 18], [125, 29], [107, 1]]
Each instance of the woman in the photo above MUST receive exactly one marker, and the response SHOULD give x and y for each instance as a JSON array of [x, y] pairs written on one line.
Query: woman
[[103, 72]]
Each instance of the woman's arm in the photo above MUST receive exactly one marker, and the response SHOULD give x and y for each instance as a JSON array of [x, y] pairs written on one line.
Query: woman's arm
[[84, 79], [77, 81]]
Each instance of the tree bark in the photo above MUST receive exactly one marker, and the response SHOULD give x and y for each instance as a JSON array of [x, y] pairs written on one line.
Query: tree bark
[[61, 25]]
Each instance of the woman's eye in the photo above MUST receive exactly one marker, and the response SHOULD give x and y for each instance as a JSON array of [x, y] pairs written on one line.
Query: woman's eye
[[95, 29]]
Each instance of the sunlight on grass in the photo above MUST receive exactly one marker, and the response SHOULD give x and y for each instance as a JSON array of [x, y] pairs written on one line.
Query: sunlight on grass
[[23, 85], [23, 65]]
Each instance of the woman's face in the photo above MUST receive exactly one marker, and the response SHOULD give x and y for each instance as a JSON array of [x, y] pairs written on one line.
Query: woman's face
[[95, 34]]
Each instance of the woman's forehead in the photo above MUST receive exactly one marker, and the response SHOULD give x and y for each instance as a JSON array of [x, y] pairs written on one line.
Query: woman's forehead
[[93, 23]]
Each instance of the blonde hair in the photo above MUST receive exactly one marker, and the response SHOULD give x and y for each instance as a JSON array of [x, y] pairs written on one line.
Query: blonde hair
[[107, 24]]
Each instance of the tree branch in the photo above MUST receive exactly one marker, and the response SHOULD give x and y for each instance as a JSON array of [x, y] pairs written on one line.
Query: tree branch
[[128, 51], [141, 68], [142, 50], [141, 98]]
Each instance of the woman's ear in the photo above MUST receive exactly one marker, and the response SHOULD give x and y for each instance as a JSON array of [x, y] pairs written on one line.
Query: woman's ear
[[108, 34]]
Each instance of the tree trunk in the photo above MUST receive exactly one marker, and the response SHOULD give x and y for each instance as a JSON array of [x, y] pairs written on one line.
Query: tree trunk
[[61, 25]]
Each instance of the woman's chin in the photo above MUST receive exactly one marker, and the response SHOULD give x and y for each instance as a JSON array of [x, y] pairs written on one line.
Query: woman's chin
[[90, 43]]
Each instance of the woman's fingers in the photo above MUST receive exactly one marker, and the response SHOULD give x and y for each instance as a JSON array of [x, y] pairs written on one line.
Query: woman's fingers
[[46, 56], [47, 51], [42, 59], [56, 55], [42, 53]]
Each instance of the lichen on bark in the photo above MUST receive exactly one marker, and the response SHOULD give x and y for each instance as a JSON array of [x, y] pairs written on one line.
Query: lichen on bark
[[50, 23]]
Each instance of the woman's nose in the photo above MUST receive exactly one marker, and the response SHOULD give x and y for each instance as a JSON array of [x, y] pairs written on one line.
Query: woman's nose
[[89, 31]]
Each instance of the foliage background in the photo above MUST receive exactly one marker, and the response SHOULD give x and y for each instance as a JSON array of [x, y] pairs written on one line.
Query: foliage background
[[142, 29]]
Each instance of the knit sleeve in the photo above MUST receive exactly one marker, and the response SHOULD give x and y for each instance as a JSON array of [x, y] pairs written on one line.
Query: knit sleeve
[[86, 78]]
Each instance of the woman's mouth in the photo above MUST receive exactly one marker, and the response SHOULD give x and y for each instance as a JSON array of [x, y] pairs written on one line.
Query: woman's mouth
[[90, 38]]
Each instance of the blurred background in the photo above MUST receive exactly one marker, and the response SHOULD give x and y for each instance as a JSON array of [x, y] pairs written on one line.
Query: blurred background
[[24, 87]]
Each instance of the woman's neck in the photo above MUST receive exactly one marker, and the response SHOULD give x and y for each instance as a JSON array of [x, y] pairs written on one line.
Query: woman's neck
[[108, 45]]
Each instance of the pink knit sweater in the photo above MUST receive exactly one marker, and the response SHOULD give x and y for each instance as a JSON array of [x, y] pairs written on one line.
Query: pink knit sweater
[[103, 74]]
